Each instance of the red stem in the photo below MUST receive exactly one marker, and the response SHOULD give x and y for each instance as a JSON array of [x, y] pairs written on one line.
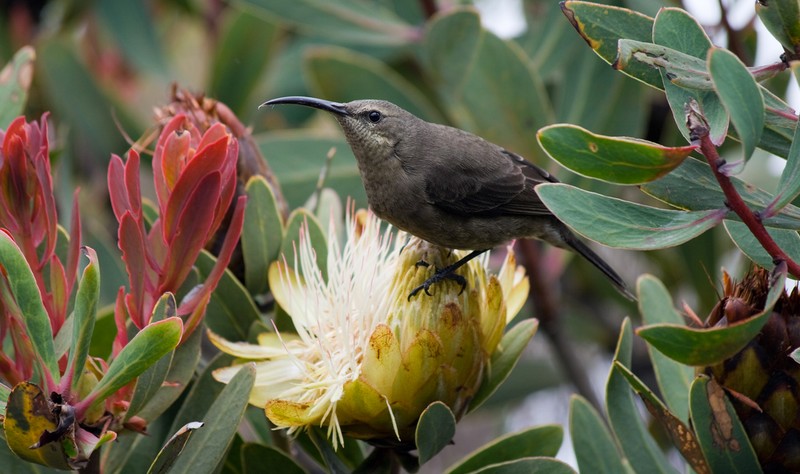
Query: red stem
[[737, 204]]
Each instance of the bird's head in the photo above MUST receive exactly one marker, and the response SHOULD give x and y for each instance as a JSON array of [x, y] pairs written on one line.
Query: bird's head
[[369, 125]]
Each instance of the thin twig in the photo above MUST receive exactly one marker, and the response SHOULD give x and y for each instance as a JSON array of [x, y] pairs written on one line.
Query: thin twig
[[699, 131]]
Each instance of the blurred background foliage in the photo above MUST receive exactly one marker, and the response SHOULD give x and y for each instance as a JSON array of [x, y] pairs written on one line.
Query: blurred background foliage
[[102, 66]]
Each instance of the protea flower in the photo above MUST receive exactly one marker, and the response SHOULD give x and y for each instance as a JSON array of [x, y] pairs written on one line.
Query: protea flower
[[366, 360], [762, 375]]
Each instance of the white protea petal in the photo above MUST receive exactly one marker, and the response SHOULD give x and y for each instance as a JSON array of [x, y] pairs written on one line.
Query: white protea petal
[[246, 350]]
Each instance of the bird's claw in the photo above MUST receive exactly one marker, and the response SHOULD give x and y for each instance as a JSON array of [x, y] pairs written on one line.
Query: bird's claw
[[444, 274], [422, 263]]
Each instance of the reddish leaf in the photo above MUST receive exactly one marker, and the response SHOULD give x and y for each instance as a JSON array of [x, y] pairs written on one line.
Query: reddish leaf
[[73, 252], [131, 242], [196, 305], [211, 160], [176, 125], [191, 231]]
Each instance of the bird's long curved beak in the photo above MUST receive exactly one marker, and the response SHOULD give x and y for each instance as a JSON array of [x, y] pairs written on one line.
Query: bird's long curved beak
[[334, 107]]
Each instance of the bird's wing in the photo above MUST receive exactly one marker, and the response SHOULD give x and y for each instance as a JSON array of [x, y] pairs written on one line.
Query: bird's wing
[[501, 185]]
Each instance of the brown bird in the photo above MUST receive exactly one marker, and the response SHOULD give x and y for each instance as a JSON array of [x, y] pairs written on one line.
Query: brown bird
[[447, 186]]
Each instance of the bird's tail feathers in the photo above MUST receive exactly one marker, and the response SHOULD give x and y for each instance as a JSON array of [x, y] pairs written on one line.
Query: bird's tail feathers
[[581, 248]]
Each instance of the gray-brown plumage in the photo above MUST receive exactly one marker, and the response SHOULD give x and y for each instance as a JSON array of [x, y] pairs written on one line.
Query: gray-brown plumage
[[447, 186]]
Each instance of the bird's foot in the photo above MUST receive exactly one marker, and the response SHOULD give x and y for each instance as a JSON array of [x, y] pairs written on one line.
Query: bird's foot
[[447, 273], [422, 263]]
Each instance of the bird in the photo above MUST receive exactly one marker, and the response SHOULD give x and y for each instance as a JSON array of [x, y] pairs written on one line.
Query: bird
[[447, 186]]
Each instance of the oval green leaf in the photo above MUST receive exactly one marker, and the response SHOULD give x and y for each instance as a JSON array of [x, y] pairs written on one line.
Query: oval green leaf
[[633, 434], [262, 234], [24, 295], [206, 449], [682, 436], [537, 441], [83, 316], [741, 96], [622, 224], [148, 346], [789, 183], [655, 306], [300, 220], [699, 347], [594, 446], [719, 432], [782, 19], [435, 430], [602, 26], [618, 160], [787, 240]]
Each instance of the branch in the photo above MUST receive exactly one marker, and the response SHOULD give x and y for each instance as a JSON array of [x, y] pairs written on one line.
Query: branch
[[699, 134]]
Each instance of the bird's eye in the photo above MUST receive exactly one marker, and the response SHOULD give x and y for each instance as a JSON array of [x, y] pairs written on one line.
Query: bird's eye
[[374, 116]]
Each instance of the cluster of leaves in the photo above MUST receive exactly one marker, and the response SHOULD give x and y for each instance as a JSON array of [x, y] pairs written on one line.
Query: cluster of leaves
[[442, 66]]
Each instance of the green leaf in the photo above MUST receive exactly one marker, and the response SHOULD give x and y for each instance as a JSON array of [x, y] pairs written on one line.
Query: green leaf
[[789, 183], [692, 186], [15, 80], [612, 159], [536, 465], [83, 316], [706, 346], [719, 431], [622, 224], [655, 306], [602, 26], [740, 95], [240, 58], [173, 448], [532, 442], [682, 436], [435, 430], [676, 29], [231, 311], [504, 358], [297, 158], [345, 21], [26, 297], [205, 390], [255, 457], [182, 366], [130, 24], [262, 234], [151, 380], [787, 240], [148, 346], [782, 19], [634, 437], [502, 108], [594, 447], [294, 226], [359, 76], [206, 449]]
